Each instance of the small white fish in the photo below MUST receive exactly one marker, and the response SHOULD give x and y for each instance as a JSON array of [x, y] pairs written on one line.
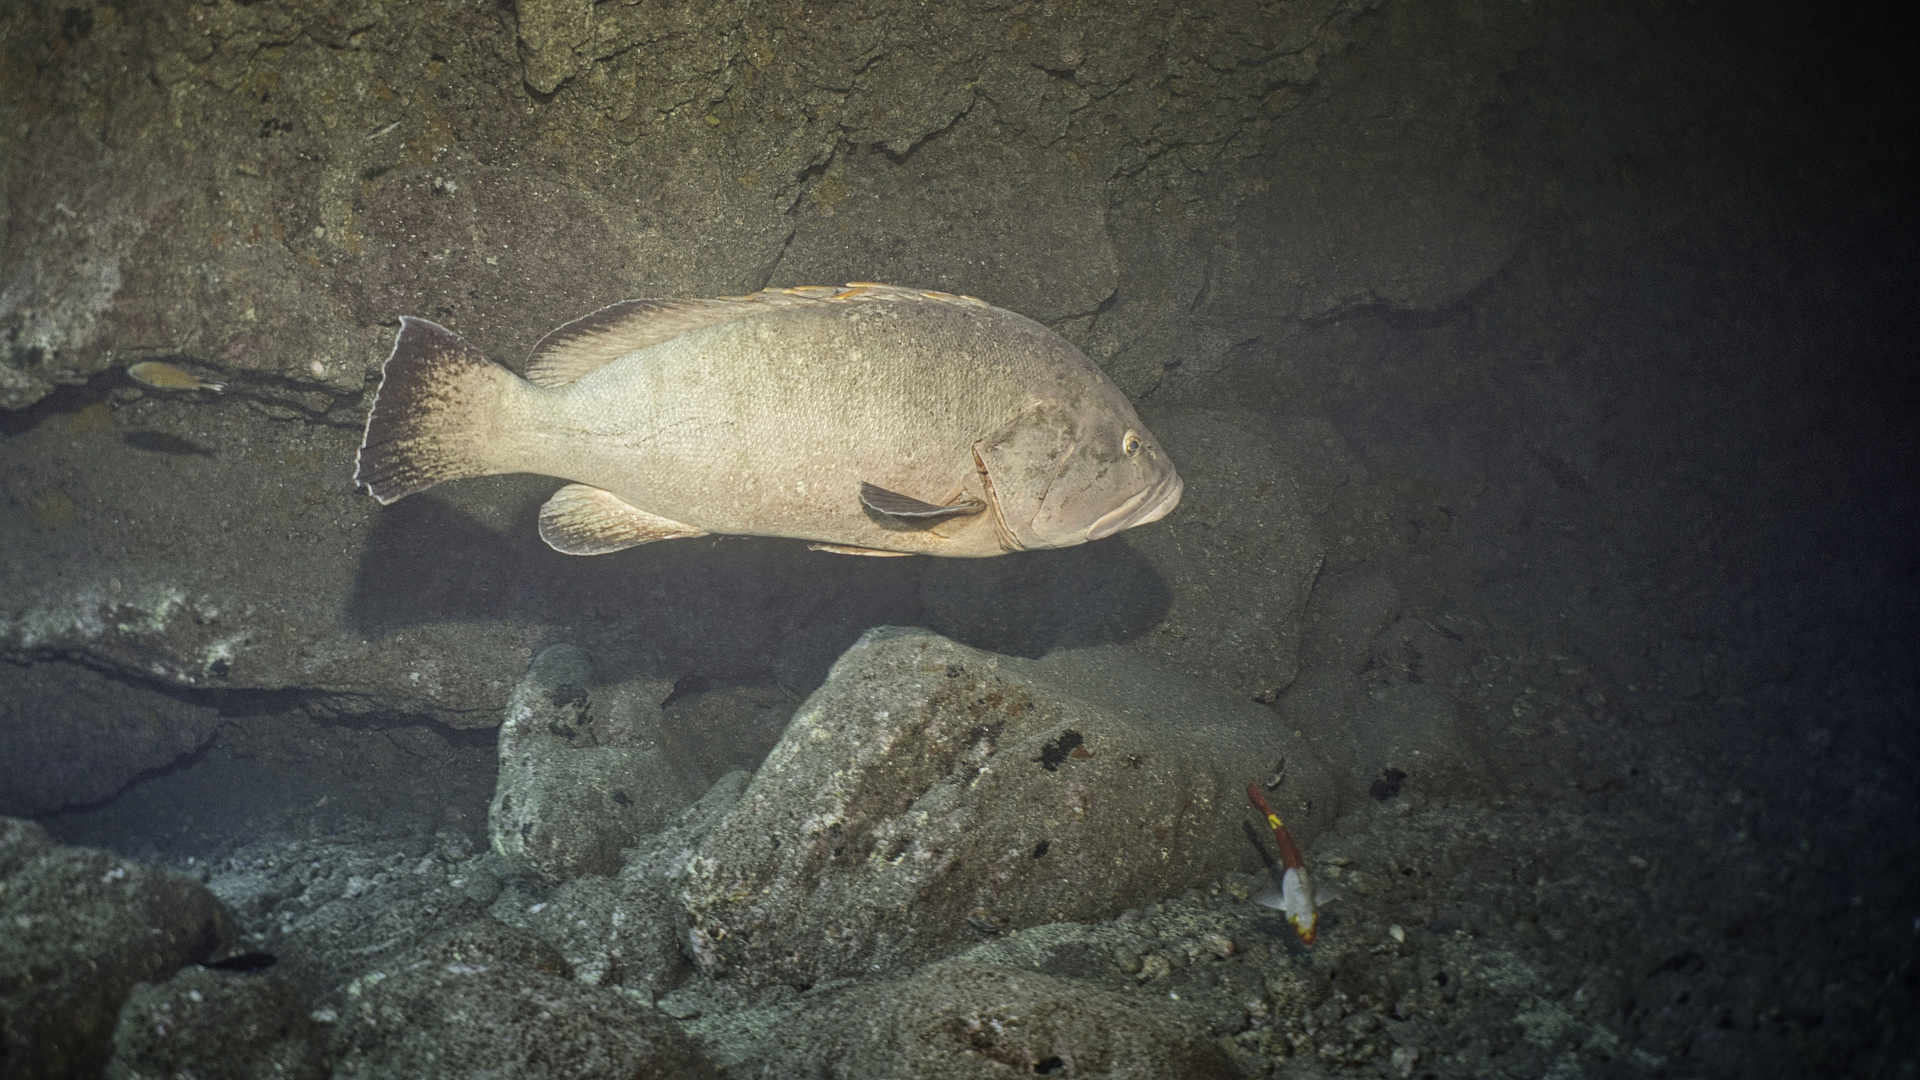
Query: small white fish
[[161, 375], [1296, 896], [1277, 898]]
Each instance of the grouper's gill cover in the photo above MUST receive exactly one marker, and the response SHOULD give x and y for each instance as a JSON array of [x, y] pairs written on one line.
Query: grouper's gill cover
[[870, 420]]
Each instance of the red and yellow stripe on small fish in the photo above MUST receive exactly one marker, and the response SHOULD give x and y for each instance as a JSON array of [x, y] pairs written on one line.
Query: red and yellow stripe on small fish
[[1296, 888]]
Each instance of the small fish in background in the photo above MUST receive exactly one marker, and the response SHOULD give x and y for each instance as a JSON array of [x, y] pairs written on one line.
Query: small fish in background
[[1295, 899], [867, 420], [246, 962], [160, 375], [161, 442]]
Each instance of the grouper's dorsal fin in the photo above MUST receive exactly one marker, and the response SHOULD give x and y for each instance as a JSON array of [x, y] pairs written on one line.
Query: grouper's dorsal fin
[[585, 520], [573, 349]]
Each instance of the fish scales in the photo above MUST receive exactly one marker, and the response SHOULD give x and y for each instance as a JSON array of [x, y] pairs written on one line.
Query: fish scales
[[875, 420], [744, 424]]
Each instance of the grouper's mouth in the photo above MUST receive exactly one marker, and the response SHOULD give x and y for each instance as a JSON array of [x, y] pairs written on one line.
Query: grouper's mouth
[[1149, 504]]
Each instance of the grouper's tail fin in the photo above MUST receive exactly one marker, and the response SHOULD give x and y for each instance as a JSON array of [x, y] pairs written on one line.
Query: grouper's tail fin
[[437, 401]]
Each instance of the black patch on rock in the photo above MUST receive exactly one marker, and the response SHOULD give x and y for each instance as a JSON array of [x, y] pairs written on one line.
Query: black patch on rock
[[161, 442], [245, 962], [687, 686], [77, 24], [1686, 963], [1057, 751], [1386, 785]]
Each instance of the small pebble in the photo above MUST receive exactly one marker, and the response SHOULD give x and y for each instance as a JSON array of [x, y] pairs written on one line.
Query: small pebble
[[1219, 945], [1398, 934]]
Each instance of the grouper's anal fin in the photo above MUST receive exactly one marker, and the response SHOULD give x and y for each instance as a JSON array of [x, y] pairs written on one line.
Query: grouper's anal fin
[[583, 520], [853, 549]]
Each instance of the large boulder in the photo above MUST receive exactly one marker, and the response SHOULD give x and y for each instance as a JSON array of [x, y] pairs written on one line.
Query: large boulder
[[485, 1000], [623, 931], [1375, 730], [581, 779], [217, 1025], [929, 793], [82, 928]]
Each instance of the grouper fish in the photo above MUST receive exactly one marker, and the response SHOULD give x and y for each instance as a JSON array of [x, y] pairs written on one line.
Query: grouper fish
[[869, 420]]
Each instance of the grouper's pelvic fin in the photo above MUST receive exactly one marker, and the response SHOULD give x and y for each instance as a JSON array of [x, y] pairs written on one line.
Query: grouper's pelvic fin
[[584, 520], [437, 400]]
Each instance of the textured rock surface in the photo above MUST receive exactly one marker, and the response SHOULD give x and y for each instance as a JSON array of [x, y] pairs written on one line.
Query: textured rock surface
[[626, 931], [331, 910], [69, 736], [1371, 727], [216, 1025], [316, 185], [581, 779], [958, 1021], [81, 929], [930, 792], [485, 999]]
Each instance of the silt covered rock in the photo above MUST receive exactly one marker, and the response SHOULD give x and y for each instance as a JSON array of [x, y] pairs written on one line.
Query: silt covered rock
[[930, 793], [81, 928], [959, 1021], [577, 784], [621, 931], [1375, 731], [216, 1025], [486, 1000]]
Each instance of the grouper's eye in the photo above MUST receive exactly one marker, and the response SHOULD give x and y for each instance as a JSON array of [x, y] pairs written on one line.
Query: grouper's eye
[[1131, 444]]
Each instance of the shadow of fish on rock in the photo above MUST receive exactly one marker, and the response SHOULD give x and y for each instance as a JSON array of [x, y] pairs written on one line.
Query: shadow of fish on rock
[[733, 609], [1035, 602]]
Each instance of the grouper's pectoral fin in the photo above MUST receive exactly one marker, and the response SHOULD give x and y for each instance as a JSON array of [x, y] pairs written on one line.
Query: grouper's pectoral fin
[[584, 520], [894, 504]]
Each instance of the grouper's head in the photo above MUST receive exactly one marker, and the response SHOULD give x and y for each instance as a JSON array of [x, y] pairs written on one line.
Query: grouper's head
[[1067, 472]]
